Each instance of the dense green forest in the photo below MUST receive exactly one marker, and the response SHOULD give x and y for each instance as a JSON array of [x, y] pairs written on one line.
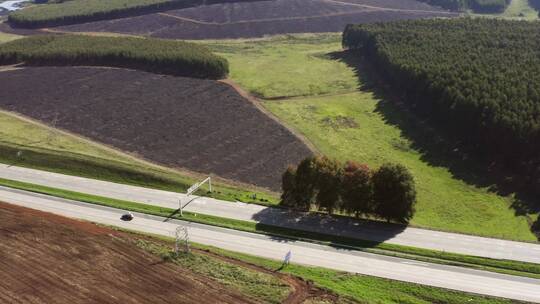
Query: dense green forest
[[476, 79], [62, 12], [478, 6], [155, 55]]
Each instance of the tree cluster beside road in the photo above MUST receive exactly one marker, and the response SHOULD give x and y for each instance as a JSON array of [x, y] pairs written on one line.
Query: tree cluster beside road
[[327, 185]]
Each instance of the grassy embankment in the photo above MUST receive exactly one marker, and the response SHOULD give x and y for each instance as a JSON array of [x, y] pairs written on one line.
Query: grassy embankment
[[346, 121], [360, 288], [258, 285], [425, 255]]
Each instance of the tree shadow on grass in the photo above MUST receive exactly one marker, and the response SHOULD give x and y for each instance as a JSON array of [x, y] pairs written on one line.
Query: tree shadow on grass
[[439, 148]]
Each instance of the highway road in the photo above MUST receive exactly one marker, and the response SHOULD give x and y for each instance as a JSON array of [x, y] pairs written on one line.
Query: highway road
[[450, 277], [379, 232]]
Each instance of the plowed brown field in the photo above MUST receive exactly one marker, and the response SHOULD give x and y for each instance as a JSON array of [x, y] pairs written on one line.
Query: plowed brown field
[[49, 259], [202, 125], [259, 18]]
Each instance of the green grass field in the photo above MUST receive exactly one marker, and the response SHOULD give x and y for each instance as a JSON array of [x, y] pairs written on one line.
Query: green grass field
[[5, 37], [296, 66], [348, 126], [520, 9], [517, 9]]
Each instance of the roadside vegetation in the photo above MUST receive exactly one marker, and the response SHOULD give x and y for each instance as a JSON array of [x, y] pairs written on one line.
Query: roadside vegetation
[[359, 288], [149, 54], [346, 119], [79, 11], [328, 186], [424, 255], [258, 285]]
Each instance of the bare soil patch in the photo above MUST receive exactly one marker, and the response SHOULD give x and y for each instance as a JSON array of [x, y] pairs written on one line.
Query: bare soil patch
[[49, 259], [259, 18], [202, 125]]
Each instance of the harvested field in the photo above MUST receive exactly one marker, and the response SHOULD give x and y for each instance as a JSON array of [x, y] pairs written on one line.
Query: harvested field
[[49, 259], [201, 125], [259, 18]]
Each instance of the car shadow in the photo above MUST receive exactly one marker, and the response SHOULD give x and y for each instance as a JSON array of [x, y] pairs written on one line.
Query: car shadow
[[439, 148]]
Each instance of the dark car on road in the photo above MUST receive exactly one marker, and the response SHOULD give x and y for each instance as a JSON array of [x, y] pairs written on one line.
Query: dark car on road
[[127, 216]]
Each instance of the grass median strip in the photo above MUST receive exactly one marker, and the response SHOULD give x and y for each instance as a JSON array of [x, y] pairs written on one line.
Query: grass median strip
[[424, 255]]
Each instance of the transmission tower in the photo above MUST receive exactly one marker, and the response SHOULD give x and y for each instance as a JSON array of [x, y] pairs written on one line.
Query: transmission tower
[[52, 130], [182, 240]]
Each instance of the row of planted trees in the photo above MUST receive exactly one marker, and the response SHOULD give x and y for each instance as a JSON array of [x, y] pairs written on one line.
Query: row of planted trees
[[327, 185]]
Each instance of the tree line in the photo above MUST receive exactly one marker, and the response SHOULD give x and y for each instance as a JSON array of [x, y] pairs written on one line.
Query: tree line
[[327, 185], [155, 55], [478, 80]]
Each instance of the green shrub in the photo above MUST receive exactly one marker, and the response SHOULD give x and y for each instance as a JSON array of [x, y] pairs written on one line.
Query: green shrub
[[394, 193], [154, 55], [357, 190]]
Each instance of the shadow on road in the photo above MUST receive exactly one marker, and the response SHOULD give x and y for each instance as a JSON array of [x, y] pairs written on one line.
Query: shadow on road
[[337, 231]]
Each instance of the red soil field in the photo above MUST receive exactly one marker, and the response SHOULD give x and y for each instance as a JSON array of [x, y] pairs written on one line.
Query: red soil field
[[259, 18], [45, 258], [202, 125]]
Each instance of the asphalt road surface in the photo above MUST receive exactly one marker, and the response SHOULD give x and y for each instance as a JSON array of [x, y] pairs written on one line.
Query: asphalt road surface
[[379, 232], [450, 277]]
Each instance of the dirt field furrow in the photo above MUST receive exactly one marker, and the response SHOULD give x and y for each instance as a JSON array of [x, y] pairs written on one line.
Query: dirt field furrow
[[45, 258], [49, 259], [201, 125], [257, 18]]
